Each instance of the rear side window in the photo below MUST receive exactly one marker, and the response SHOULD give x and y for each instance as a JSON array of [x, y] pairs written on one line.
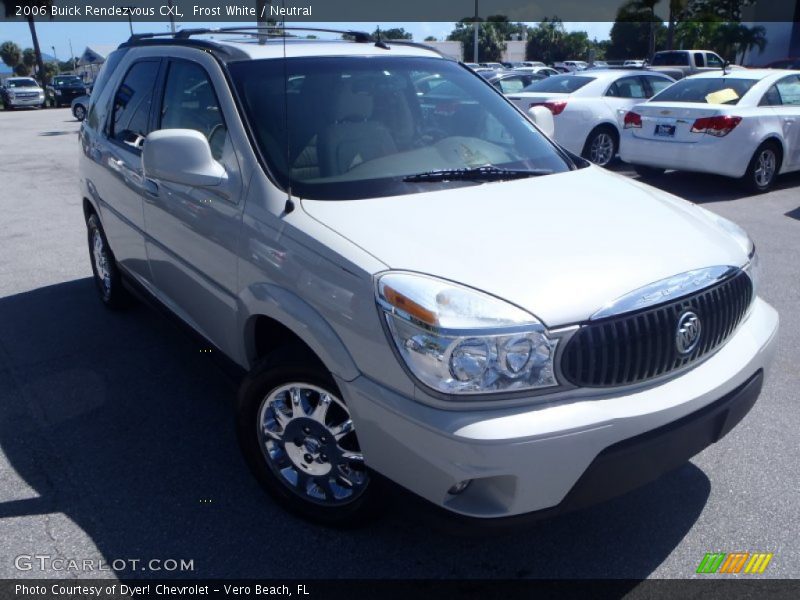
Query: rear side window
[[628, 87], [658, 84], [722, 90], [510, 85], [100, 82], [680, 59], [190, 103], [561, 84], [130, 113], [699, 60]]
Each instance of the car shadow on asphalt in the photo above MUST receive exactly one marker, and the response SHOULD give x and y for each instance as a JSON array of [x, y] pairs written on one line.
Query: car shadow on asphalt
[[119, 421]]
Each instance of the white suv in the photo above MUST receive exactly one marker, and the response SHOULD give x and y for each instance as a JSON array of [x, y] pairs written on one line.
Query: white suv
[[421, 286]]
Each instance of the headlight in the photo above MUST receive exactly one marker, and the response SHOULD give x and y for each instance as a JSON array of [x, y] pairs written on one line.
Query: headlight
[[458, 340], [753, 269], [58, 92], [747, 244], [11, 95]]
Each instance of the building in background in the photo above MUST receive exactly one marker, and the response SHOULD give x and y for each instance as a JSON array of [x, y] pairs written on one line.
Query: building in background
[[92, 59]]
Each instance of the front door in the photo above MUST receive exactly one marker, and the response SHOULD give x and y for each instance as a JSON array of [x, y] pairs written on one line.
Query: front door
[[193, 232]]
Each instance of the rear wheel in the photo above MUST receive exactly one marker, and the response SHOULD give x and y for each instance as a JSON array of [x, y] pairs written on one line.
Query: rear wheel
[[601, 146], [645, 172], [107, 277], [299, 441], [763, 168]]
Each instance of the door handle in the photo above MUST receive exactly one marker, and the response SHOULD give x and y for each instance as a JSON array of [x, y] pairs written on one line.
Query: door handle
[[151, 188], [115, 164]]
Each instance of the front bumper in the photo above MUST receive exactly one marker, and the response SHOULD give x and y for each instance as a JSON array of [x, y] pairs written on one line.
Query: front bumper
[[36, 101], [564, 454]]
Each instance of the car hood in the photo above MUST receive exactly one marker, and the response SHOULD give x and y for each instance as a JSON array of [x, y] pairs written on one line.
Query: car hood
[[560, 246], [25, 89]]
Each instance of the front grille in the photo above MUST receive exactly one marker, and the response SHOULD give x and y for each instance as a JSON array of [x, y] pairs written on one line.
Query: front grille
[[638, 346]]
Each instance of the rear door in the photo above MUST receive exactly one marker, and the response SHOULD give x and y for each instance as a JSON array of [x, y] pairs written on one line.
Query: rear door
[[624, 93], [120, 190], [193, 232]]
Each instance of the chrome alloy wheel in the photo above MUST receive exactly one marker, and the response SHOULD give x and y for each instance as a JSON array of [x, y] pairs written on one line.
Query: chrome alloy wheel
[[101, 262], [601, 152], [306, 436], [765, 167]]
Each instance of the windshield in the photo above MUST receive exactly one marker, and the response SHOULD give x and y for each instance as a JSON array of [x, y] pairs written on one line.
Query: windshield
[[361, 127], [680, 59], [720, 90], [70, 80], [20, 83], [561, 84]]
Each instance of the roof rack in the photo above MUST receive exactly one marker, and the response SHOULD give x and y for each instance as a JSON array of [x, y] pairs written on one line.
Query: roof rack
[[183, 34]]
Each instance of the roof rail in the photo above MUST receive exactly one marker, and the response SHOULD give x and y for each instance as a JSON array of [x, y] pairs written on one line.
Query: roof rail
[[184, 34]]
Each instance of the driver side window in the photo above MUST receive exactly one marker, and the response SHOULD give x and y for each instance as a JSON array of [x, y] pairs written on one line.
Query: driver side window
[[191, 103]]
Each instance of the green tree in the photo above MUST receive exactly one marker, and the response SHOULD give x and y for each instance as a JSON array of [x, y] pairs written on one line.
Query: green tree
[[29, 58], [11, 54], [22, 70], [733, 39], [396, 33], [430, 38], [490, 44], [50, 70], [10, 8]]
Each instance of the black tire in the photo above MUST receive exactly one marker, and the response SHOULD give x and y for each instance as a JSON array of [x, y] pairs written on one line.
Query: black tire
[[110, 288], [755, 180], [648, 173], [602, 146], [79, 112], [295, 365]]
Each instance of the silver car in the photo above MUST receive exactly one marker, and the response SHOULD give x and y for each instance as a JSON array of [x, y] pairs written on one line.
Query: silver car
[[21, 92], [421, 288]]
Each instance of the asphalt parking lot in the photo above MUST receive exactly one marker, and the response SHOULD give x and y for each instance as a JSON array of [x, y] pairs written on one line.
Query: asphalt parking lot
[[117, 440]]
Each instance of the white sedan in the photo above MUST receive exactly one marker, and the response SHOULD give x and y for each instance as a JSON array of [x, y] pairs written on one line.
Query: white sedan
[[743, 123], [588, 107]]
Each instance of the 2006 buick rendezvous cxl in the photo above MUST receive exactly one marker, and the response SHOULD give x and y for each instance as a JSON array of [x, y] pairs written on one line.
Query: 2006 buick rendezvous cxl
[[422, 286]]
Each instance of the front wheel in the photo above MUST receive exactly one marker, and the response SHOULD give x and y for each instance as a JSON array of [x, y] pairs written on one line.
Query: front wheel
[[763, 168], [299, 441]]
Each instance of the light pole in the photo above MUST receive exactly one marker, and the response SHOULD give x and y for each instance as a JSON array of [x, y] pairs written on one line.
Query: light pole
[[55, 56], [475, 27]]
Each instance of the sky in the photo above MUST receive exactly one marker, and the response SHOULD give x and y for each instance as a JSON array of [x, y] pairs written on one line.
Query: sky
[[59, 34]]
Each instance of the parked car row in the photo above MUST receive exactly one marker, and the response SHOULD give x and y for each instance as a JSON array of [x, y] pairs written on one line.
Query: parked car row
[[743, 123], [64, 90]]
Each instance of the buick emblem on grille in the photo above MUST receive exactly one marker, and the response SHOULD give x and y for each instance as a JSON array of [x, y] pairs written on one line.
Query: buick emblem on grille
[[688, 333]]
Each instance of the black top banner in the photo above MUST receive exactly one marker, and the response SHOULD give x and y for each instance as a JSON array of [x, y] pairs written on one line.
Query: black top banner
[[383, 11]]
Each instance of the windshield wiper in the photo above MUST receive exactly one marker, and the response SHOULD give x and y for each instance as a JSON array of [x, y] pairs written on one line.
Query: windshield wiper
[[485, 173]]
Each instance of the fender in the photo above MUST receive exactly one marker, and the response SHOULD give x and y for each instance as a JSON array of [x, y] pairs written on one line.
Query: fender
[[265, 299]]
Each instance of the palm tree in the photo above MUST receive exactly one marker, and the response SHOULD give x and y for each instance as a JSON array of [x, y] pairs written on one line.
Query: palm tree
[[10, 10], [10, 54], [752, 38]]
